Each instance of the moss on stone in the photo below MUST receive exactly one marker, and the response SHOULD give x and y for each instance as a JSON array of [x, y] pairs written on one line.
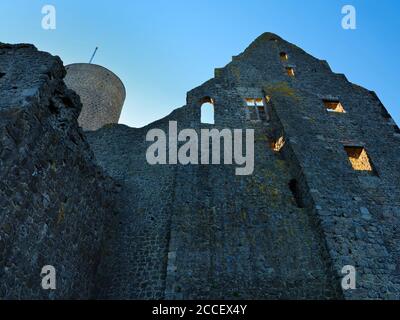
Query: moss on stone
[[282, 89]]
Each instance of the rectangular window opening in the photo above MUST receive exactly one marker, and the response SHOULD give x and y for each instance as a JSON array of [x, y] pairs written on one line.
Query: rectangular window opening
[[250, 102], [256, 109], [359, 158], [334, 106], [290, 71], [259, 102], [284, 56]]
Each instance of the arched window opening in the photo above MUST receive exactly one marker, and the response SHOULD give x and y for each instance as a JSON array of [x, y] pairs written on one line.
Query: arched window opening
[[207, 110]]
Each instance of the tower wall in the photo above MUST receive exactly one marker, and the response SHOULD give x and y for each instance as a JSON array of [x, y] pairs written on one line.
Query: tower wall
[[102, 94]]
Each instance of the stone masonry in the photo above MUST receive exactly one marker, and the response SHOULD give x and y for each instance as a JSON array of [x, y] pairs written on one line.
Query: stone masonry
[[54, 199], [324, 193], [102, 94]]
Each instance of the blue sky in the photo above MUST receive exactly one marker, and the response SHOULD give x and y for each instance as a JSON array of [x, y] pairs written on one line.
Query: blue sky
[[163, 48]]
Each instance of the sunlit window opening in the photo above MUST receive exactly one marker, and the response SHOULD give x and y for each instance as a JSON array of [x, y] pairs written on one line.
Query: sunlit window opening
[[256, 109], [334, 106], [259, 102], [250, 102], [359, 158], [290, 71], [277, 145], [284, 56]]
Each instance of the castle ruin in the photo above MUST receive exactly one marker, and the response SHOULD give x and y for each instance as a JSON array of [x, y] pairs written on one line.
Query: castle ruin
[[324, 193]]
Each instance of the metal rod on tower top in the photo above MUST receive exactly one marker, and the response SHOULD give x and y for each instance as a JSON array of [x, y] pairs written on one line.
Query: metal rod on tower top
[[94, 53]]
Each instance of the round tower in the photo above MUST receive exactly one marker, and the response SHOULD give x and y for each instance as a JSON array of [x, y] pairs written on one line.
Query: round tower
[[102, 94]]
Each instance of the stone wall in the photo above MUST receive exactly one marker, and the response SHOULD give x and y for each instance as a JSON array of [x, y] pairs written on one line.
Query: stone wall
[[134, 263], [54, 199], [287, 230], [200, 231]]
